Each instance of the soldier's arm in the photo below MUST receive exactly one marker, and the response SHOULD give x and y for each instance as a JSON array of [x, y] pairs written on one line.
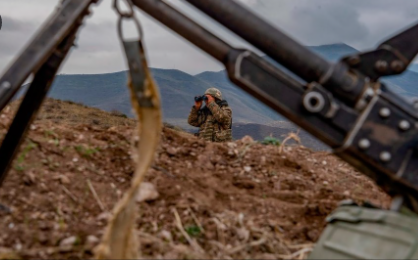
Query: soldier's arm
[[195, 119], [223, 116]]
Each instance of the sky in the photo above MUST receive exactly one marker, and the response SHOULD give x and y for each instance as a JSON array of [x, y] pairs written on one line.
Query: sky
[[362, 24]]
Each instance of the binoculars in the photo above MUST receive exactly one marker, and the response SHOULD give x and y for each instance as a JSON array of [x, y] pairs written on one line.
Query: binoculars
[[200, 98]]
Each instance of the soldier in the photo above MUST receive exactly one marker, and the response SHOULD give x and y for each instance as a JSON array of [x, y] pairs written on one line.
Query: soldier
[[215, 119]]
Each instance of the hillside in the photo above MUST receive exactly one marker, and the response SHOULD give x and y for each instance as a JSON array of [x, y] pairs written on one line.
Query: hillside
[[109, 92], [236, 200]]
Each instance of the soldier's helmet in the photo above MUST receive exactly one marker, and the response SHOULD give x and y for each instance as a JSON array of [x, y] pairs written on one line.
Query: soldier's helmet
[[214, 92]]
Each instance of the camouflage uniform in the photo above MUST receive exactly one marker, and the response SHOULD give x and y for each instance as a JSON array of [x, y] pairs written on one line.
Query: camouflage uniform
[[214, 120]]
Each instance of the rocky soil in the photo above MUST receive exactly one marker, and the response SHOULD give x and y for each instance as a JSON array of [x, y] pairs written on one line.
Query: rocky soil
[[200, 200]]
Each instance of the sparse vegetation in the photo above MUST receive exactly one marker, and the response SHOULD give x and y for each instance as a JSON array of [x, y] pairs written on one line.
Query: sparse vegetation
[[21, 158], [86, 151], [270, 140], [118, 113], [193, 230]]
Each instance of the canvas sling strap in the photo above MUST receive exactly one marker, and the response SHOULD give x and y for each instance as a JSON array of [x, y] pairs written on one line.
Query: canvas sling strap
[[119, 240]]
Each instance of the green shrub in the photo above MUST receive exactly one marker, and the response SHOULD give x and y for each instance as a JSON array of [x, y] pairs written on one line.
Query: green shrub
[[270, 140], [193, 231]]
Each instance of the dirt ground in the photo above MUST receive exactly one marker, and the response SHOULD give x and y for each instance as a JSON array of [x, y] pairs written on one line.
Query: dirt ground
[[234, 200]]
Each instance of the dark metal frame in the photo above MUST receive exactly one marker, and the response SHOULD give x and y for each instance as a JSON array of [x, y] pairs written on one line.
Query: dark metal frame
[[339, 104], [42, 57], [342, 104]]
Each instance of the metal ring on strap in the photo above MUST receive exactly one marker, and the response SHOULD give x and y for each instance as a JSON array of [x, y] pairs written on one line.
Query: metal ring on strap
[[137, 23], [128, 14]]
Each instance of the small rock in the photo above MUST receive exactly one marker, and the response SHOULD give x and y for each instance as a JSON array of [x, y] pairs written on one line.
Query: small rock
[[247, 139], [62, 179], [104, 216], [172, 151], [147, 192], [44, 226], [268, 256], [67, 244], [92, 241], [18, 246], [244, 184], [247, 168], [29, 178], [347, 193], [243, 234], [324, 162], [231, 145], [43, 239], [50, 251], [166, 235], [209, 165], [288, 149], [325, 183], [263, 160], [5, 209]]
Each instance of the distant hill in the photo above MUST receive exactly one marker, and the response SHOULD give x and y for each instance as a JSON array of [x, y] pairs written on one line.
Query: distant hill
[[333, 52], [109, 92], [413, 67]]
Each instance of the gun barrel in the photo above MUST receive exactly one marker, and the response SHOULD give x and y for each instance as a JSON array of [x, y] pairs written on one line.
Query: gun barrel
[[299, 59], [294, 56], [186, 27]]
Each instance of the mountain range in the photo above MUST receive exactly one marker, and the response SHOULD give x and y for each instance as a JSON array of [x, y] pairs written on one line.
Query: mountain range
[[109, 92], [414, 67]]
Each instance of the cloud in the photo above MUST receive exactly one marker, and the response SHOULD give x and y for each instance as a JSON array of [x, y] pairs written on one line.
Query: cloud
[[360, 23]]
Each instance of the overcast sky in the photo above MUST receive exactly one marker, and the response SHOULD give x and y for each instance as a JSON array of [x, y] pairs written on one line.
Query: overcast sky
[[359, 23]]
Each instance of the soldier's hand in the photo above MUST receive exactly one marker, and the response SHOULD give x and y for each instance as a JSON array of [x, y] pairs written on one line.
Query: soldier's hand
[[198, 104], [210, 99]]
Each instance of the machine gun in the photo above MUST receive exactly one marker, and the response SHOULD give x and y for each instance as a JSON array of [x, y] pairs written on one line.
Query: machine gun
[[343, 104]]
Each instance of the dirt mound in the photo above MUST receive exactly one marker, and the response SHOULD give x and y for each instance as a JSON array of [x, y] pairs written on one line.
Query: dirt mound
[[234, 200]]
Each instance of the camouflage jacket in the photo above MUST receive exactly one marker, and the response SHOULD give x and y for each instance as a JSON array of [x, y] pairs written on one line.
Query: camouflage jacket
[[214, 121]]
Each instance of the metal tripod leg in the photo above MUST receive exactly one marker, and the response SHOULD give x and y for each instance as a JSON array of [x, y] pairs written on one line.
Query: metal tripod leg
[[30, 105]]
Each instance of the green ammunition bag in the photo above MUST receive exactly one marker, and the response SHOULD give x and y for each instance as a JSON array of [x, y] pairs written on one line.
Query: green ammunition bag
[[355, 232]]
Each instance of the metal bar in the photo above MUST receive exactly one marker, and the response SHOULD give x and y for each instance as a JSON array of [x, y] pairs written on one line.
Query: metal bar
[[30, 105], [68, 16], [404, 44], [300, 60], [297, 58], [186, 27], [264, 81]]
